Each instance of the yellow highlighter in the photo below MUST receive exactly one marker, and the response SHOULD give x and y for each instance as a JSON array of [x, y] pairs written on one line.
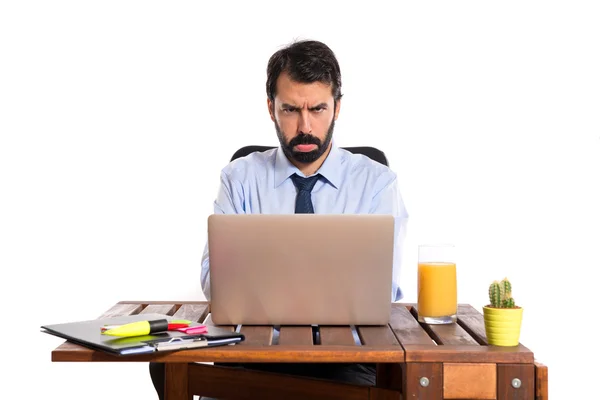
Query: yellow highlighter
[[139, 328]]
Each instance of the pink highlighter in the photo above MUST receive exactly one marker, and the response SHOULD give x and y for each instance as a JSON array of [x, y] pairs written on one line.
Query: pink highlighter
[[192, 330]]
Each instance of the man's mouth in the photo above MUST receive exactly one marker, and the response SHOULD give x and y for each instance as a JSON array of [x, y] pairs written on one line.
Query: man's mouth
[[305, 148]]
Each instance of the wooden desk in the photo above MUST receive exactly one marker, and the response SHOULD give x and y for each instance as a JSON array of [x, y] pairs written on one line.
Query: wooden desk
[[414, 361]]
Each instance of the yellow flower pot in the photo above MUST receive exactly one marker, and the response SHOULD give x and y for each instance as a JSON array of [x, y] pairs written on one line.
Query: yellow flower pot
[[502, 325]]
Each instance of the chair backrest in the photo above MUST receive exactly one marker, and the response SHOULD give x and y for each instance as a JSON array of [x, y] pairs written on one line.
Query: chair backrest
[[371, 152]]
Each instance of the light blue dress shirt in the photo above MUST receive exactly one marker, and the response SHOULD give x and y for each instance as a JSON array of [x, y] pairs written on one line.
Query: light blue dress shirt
[[353, 184]]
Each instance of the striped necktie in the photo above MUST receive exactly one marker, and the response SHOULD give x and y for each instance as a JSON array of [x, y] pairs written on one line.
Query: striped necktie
[[305, 186]]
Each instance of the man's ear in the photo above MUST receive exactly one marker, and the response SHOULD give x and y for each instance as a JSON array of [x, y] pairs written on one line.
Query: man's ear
[[271, 107], [338, 104]]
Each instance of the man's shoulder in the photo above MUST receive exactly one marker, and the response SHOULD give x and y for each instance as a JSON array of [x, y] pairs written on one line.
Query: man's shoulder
[[359, 164], [250, 164]]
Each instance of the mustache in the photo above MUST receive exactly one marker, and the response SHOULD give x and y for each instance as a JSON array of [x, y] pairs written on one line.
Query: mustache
[[304, 138]]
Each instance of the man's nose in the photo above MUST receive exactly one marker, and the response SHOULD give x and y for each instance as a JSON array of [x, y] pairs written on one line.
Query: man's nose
[[305, 125]]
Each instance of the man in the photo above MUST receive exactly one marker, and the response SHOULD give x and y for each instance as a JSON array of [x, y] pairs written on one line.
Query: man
[[308, 173]]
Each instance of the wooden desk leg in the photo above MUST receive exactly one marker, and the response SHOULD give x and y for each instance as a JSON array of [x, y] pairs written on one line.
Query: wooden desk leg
[[423, 381], [541, 381], [389, 376], [389, 382], [176, 381], [516, 381]]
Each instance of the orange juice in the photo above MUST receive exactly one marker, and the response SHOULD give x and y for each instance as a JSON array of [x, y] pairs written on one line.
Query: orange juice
[[437, 289]]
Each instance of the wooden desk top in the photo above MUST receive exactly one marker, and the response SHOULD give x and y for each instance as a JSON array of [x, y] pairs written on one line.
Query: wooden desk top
[[402, 340]]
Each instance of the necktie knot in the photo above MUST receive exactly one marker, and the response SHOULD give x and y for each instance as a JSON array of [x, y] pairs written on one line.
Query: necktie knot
[[303, 199], [306, 184]]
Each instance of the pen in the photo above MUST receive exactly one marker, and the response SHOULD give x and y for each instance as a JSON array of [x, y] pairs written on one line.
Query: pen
[[138, 328], [181, 343]]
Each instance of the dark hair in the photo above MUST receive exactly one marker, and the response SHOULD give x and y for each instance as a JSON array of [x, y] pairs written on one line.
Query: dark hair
[[306, 62]]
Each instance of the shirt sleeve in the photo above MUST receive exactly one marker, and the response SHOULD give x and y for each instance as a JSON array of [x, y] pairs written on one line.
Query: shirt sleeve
[[230, 200], [389, 201]]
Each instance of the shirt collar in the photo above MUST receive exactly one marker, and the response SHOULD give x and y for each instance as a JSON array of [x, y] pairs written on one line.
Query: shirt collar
[[330, 169]]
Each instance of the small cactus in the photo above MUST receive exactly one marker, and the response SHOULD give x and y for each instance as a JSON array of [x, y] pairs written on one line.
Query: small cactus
[[508, 303], [501, 294], [495, 295], [505, 288]]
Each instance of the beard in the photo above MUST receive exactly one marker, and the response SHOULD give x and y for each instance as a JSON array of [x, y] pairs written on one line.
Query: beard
[[303, 138]]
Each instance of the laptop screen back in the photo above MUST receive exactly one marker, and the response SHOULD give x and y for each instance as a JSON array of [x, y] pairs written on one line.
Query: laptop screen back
[[300, 269]]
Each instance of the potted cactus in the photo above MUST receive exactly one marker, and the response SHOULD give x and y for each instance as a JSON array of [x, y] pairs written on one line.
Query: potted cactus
[[502, 318]]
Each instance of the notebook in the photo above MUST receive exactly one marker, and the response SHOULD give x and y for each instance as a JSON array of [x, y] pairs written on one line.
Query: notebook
[[88, 334], [300, 269]]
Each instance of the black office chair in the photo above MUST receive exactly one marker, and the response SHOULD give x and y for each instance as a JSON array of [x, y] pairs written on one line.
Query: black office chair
[[371, 152]]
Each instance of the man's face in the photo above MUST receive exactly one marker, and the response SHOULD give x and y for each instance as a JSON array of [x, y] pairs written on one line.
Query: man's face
[[304, 118]]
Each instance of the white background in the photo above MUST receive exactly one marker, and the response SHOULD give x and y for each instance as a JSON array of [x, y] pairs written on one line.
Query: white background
[[117, 116]]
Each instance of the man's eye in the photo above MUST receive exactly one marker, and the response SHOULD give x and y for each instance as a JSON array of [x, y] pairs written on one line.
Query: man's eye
[[288, 110], [319, 109]]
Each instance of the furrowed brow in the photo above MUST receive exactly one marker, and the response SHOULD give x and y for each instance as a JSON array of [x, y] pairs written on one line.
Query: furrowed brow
[[321, 105], [289, 106]]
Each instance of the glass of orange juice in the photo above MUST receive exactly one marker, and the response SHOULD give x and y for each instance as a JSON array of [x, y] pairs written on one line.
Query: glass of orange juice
[[437, 300]]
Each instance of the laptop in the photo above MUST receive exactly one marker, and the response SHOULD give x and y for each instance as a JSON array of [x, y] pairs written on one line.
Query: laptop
[[300, 269]]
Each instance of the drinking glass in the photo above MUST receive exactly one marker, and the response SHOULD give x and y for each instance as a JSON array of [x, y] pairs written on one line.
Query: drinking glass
[[437, 299]]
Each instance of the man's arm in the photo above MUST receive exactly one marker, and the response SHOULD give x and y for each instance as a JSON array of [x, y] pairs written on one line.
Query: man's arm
[[229, 200], [389, 201]]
